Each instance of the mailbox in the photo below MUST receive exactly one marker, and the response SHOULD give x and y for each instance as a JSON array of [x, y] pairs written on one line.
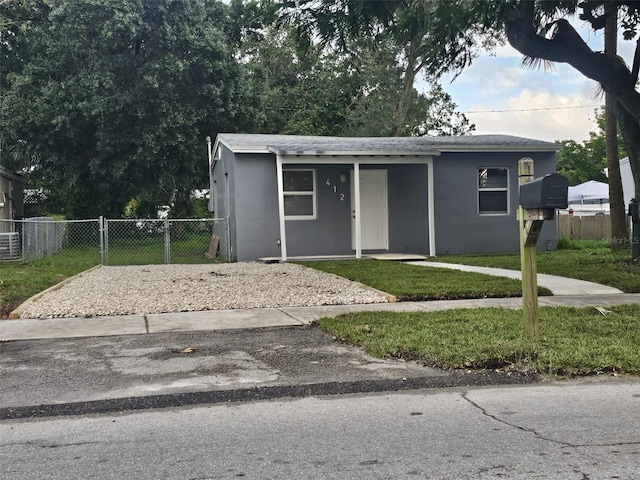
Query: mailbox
[[633, 211], [550, 191]]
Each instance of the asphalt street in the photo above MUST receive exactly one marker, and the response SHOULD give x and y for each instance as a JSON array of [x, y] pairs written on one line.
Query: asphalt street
[[77, 376], [571, 430], [264, 393]]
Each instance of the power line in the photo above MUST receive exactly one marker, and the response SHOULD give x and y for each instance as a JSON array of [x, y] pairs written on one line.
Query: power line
[[533, 109]]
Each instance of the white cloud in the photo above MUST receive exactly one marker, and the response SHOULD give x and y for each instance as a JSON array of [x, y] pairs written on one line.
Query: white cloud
[[498, 81], [537, 114]]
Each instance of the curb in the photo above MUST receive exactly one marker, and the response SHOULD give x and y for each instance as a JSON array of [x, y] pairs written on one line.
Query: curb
[[132, 404], [17, 312], [390, 298]]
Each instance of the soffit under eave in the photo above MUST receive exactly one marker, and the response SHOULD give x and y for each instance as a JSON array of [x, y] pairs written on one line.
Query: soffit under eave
[[350, 157]]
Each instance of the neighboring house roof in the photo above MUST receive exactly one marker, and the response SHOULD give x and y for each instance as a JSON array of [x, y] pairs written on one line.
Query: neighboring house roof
[[10, 175], [317, 145]]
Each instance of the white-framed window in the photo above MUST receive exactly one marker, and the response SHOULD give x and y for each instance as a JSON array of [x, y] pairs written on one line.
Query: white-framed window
[[493, 190], [299, 189]]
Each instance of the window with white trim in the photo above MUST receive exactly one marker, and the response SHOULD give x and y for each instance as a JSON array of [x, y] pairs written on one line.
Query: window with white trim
[[493, 191], [299, 190]]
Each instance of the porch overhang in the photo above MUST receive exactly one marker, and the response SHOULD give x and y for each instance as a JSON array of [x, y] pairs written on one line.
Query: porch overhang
[[354, 159]]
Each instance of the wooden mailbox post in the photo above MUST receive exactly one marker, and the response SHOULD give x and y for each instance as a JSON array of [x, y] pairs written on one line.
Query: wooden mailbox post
[[538, 201]]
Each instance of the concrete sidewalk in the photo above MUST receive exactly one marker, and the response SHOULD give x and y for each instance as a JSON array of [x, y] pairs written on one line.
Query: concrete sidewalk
[[557, 285], [218, 320]]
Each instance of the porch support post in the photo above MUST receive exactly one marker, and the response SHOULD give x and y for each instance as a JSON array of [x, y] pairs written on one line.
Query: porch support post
[[356, 208], [431, 208], [283, 233]]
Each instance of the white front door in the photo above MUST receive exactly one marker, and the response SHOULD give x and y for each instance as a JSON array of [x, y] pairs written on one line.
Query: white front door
[[373, 211]]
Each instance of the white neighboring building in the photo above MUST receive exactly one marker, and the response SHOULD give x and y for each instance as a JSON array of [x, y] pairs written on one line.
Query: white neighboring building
[[588, 198], [627, 180]]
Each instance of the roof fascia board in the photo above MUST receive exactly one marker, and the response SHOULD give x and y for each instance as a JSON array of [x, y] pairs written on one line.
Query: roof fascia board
[[500, 148], [351, 159], [10, 175], [356, 153], [239, 149]]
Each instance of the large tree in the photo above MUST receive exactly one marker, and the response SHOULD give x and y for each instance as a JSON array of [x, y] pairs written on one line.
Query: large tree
[[394, 28], [452, 32], [113, 99], [351, 92]]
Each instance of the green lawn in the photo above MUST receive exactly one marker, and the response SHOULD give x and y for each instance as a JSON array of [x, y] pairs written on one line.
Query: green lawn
[[584, 260], [21, 280], [573, 341], [412, 282], [147, 249]]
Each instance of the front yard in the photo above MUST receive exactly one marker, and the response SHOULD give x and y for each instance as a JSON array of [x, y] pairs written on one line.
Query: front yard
[[573, 341]]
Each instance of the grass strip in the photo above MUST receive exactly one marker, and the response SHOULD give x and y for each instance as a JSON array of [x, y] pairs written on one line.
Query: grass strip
[[584, 260], [21, 280], [414, 283], [573, 341]]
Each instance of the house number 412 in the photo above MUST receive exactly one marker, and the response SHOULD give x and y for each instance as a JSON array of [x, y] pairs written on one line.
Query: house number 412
[[335, 189]]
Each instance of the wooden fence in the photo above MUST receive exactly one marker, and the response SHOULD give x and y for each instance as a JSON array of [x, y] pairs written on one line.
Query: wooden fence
[[588, 227]]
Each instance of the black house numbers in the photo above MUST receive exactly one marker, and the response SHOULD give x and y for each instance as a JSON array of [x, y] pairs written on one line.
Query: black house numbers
[[335, 189]]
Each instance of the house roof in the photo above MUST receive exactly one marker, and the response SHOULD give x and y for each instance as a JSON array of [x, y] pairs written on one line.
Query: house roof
[[318, 145]]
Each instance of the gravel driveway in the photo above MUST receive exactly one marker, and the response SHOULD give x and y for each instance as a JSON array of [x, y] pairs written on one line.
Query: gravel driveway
[[181, 288]]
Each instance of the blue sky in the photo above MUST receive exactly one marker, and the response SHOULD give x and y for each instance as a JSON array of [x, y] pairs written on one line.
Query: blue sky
[[531, 97]]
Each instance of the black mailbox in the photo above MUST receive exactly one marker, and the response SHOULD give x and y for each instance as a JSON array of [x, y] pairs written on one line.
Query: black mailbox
[[550, 191], [634, 211]]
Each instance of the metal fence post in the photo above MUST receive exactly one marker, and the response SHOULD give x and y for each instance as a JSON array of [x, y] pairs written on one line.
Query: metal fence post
[[106, 241], [101, 234], [167, 242], [22, 229]]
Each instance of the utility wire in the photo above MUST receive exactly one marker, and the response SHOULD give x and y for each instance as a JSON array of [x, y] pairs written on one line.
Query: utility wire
[[532, 109]]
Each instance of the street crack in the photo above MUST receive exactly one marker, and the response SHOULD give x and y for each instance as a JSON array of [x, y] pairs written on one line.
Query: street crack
[[540, 436], [517, 427]]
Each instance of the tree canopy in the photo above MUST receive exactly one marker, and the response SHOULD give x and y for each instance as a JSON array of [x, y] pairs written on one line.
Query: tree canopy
[[106, 104], [352, 92], [112, 99], [451, 33]]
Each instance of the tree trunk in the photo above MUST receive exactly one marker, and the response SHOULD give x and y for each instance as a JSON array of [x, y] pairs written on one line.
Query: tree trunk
[[619, 230], [409, 77]]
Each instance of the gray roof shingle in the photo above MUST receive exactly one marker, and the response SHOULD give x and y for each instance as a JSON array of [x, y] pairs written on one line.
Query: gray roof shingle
[[297, 144]]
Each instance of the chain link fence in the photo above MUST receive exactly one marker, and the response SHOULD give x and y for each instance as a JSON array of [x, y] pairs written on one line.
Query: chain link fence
[[117, 241]]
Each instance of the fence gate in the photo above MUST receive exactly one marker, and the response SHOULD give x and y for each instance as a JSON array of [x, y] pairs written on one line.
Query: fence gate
[[157, 241]]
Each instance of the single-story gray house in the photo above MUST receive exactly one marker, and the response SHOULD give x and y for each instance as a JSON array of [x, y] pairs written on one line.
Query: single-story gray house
[[290, 196]]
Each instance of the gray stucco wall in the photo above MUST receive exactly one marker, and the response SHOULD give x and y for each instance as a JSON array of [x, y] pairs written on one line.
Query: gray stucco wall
[[408, 209], [223, 196], [459, 227], [256, 207], [253, 207], [330, 233]]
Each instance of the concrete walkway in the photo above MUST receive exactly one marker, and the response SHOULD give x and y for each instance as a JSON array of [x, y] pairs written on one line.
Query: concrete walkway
[[217, 320], [557, 285]]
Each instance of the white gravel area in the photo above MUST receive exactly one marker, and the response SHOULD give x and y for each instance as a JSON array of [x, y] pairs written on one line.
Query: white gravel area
[[140, 290]]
